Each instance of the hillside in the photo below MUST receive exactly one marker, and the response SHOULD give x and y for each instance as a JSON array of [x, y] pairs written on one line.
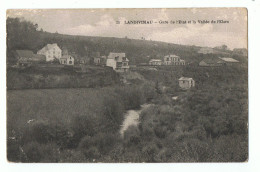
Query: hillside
[[25, 35], [137, 51]]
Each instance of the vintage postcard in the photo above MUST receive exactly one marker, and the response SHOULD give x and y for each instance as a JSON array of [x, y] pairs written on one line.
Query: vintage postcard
[[127, 85]]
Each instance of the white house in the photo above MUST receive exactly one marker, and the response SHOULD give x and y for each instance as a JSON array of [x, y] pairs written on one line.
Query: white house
[[67, 60], [51, 51], [186, 83], [155, 62], [173, 60], [118, 62]]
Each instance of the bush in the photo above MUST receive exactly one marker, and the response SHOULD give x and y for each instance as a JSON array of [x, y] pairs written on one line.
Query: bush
[[72, 156], [132, 136], [39, 131], [131, 96], [231, 148], [82, 125], [113, 112], [103, 141], [149, 152], [35, 152]]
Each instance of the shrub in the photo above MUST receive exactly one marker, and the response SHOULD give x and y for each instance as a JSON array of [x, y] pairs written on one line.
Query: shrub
[[231, 148], [131, 96], [149, 152], [33, 152], [97, 145], [36, 152], [113, 112], [132, 136], [82, 125], [72, 156], [39, 131]]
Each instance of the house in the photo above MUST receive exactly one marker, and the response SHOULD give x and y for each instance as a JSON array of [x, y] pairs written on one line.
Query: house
[[206, 50], [51, 51], [97, 60], [229, 61], [67, 60], [173, 60], [100, 60], [27, 57], [118, 62], [211, 61], [84, 60], [186, 83], [155, 62]]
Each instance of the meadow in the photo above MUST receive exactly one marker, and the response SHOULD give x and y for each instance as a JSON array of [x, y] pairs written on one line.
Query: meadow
[[59, 119]]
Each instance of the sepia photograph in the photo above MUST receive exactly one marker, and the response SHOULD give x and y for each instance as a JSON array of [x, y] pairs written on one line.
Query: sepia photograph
[[120, 85]]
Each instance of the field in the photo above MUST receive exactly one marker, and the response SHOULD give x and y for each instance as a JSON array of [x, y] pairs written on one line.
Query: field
[[51, 104]]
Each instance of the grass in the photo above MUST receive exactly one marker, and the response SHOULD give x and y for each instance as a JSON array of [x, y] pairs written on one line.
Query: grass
[[52, 104]]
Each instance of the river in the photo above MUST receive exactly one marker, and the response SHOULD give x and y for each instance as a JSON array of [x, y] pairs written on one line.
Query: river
[[132, 118]]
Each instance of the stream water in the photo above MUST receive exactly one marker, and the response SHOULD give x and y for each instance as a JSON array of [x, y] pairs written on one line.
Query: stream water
[[132, 118]]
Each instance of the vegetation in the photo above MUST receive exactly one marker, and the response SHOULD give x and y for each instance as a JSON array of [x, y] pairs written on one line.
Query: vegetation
[[36, 77], [81, 121], [26, 35]]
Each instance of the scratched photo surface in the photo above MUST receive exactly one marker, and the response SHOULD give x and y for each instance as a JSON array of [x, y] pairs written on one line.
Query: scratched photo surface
[[127, 85]]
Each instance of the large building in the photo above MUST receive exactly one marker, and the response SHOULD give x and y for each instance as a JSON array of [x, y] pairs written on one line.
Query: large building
[[173, 60], [118, 62], [218, 61], [229, 61], [51, 51]]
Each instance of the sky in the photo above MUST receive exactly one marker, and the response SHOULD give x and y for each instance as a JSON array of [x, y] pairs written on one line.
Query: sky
[[102, 22]]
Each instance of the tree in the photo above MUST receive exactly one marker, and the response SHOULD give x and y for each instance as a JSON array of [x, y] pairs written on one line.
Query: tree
[[157, 88], [224, 47]]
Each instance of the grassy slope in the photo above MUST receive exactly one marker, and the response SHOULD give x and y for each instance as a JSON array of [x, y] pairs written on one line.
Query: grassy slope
[[51, 104]]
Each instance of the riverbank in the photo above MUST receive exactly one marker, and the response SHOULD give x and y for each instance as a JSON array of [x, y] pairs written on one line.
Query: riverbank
[[132, 118]]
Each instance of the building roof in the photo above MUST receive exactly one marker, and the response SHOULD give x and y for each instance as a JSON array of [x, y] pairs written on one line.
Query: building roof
[[171, 55], [25, 53], [155, 60], [48, 47], [29, 55], [66, 56], [119, 56], [112, 55], [229, 59], [185, 79], [212, 60]]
